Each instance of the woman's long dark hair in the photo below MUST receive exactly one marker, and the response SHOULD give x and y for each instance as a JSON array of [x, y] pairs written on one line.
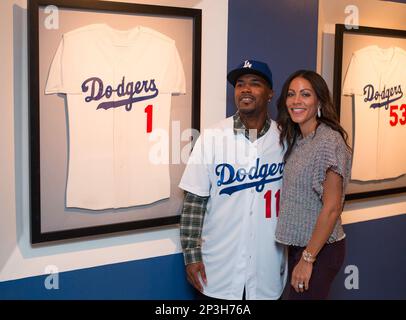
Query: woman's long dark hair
[[289, 131]]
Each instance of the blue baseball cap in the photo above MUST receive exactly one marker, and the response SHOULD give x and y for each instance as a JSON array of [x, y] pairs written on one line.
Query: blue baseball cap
[[251, 67]]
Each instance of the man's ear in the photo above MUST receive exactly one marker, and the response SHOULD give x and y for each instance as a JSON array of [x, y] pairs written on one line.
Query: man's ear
[[270, 95]]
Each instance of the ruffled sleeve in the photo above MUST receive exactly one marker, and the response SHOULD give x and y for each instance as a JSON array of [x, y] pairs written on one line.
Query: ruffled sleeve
[[334, 156]]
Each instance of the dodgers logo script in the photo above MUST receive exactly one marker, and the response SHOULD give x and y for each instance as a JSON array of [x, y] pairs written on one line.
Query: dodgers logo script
[[131, 92], [389, 95], [257, 176]]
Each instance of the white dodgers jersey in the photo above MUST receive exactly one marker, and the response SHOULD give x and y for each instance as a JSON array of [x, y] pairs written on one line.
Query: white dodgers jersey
[[376, 78], [118, 86], [243, 180]]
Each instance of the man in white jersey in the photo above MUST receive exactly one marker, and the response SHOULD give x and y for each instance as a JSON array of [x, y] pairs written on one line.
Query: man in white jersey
[[118, 86], [376, 77], [231, 206]]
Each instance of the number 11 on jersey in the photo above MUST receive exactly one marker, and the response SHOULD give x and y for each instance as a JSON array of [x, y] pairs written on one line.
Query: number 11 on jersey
[[268, 202]]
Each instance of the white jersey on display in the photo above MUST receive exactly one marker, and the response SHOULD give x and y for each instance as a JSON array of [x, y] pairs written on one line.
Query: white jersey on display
[[377, 79], [243, 180], [118, 86]]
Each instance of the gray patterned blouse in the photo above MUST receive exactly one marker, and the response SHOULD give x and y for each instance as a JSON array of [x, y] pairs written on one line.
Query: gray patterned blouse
[[302, 190]]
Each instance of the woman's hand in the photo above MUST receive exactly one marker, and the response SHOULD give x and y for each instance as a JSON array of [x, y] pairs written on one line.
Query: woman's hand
[[301, 275]]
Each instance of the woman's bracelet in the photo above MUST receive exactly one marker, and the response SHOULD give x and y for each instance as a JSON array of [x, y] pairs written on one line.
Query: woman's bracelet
[[307, 256]]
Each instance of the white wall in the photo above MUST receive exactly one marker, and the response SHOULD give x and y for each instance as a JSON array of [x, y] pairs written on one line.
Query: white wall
[[17, 258], [372, 13]]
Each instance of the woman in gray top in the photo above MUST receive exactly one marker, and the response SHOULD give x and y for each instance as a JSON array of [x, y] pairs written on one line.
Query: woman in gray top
[[317, 170]]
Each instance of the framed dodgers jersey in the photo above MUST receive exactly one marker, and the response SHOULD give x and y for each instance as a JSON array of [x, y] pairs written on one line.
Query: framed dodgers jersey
[[369, 92], [112, 87]]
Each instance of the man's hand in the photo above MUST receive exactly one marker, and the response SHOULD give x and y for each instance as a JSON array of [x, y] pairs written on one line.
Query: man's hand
[[193, 270]]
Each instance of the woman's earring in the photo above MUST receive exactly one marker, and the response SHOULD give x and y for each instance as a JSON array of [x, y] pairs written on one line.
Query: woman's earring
[[319, 111]]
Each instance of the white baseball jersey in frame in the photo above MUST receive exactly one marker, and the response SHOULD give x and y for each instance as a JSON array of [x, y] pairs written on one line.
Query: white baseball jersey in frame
[[118, 86], [376, 77], [243, 180]]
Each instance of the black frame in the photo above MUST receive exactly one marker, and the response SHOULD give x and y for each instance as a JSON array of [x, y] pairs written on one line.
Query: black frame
[[37, 236], [340, 30]]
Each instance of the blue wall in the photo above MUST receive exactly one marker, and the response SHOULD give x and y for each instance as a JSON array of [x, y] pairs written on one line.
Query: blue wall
[[378, 249], [281, 33], [156, 278]]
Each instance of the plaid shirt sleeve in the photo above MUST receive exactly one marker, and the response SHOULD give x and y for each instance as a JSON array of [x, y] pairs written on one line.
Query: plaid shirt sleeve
[[191, 225]]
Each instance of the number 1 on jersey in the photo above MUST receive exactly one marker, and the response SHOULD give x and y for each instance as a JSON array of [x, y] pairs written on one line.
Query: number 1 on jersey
[[268, 202], [148, 111]]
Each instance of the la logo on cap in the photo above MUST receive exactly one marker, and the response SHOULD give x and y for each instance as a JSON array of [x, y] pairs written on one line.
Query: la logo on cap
[[247, 64]]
